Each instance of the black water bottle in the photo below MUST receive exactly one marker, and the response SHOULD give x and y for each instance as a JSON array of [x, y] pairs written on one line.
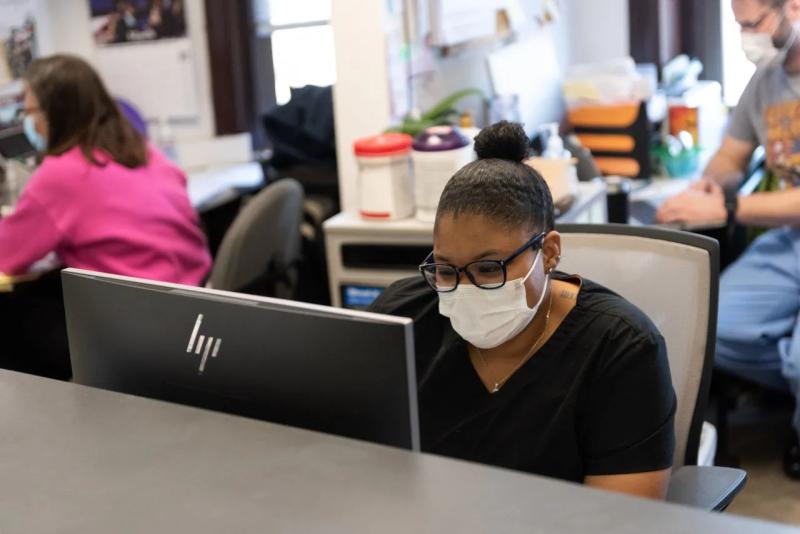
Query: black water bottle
[[617, 192]]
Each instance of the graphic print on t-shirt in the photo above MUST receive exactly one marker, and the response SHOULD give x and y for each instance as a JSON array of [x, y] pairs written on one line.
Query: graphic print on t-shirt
[[783, 141]]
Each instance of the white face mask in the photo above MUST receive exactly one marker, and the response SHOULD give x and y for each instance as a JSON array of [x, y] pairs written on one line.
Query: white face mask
[[758, 47], [487, 318]]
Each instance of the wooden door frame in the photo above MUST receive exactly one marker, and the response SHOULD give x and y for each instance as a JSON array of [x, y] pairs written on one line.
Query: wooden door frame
[[661, 29], [230, 48]]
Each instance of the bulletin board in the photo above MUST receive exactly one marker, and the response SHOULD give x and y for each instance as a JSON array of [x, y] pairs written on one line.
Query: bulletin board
[[528, 65], [151, 64], [157, 77], [17, 38]]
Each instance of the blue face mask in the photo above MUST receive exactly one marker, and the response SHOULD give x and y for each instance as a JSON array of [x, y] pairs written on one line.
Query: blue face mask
[[34, 138]]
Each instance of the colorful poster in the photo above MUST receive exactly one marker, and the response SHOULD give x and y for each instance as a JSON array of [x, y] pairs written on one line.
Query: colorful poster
[[17, 39], [134, 21], [783, 141]]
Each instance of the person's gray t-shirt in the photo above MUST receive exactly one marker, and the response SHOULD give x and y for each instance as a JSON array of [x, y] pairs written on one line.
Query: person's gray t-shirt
[[768, 114]]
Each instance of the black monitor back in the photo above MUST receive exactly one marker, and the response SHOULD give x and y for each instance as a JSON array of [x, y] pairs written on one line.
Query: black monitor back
[[326, 369]]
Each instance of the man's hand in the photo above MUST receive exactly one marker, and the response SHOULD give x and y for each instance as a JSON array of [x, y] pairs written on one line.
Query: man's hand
[[695, 206], [704, 185]]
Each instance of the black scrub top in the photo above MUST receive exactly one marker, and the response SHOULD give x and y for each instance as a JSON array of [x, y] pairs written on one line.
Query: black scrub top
[[596, 399]]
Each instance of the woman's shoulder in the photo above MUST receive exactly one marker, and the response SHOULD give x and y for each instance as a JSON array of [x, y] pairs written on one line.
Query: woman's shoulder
[[155, 156], [158, 162], [614, 313], [627, 348], [70, 160], [58, 174]]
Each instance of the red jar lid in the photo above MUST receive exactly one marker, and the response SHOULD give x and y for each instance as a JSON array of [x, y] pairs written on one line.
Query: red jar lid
[[388, 144]]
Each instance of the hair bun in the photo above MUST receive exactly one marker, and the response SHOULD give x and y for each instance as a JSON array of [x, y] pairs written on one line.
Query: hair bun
[[502, 140]]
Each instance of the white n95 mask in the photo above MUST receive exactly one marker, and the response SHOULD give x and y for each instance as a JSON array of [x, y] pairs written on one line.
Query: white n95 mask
[[758, 47], [487, 318]]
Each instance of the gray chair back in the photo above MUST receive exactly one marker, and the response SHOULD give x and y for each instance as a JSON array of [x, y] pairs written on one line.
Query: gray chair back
[[263, 240], [673, 277]]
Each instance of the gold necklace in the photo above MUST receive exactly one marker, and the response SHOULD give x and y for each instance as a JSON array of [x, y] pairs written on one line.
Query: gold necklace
[[500, 383]]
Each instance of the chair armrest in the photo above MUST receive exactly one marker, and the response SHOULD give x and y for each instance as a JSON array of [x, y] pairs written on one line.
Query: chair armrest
[[709, 488]]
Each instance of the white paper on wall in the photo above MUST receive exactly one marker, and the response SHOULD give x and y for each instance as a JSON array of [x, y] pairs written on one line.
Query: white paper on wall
[[458, 21], [397, 60], [157, 77]]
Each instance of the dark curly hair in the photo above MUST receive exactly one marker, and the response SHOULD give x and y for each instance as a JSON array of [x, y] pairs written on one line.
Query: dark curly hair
[[499, 185]]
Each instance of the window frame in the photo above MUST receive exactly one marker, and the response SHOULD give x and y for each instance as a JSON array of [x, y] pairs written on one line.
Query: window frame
[[264, 68]]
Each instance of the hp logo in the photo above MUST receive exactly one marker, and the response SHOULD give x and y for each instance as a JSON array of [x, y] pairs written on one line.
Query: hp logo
[[204, 345]]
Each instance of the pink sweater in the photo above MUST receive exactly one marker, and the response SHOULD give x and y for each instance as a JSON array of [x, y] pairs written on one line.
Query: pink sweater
[[135, 222]]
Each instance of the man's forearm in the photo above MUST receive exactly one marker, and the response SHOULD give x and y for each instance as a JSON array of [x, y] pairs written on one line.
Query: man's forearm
[[770, 209], [724, 170]]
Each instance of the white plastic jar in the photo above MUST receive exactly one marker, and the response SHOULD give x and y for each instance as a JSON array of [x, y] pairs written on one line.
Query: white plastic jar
[[385, 182], [439, 152]]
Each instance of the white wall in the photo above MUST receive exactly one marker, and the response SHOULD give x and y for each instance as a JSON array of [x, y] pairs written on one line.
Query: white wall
[[64, 27], [361, 94], [598, 29]]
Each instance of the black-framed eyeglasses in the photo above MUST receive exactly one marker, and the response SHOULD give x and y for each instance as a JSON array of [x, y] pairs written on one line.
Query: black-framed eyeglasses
[[485, 274], [750, 26]]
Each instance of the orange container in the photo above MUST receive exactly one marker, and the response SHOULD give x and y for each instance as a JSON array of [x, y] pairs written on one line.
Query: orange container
[[617, 135], [684, 118]]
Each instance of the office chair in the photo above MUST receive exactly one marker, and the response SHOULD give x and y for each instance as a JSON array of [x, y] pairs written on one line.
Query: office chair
[[260, 251], [673, 277]]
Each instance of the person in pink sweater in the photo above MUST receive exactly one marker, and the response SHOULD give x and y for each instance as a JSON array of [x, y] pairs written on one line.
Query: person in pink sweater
[[102, 199]]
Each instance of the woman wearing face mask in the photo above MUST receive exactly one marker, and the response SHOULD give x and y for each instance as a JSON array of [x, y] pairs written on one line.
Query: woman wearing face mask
[[522, 366], [103, 198]]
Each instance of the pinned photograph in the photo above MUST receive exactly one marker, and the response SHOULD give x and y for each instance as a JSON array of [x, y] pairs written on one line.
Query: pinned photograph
[[17, 39], [132, 21]]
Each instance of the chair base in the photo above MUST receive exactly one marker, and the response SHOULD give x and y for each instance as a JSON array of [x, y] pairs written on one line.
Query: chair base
[[791, 460]]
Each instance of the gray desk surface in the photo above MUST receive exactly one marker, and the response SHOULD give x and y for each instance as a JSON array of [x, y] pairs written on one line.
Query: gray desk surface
[[79, 460]]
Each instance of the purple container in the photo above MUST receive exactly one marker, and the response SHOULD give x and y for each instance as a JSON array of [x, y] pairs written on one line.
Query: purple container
[[439, 138]]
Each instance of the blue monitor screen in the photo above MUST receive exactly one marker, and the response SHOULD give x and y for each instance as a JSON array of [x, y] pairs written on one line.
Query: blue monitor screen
[[359, 297]]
